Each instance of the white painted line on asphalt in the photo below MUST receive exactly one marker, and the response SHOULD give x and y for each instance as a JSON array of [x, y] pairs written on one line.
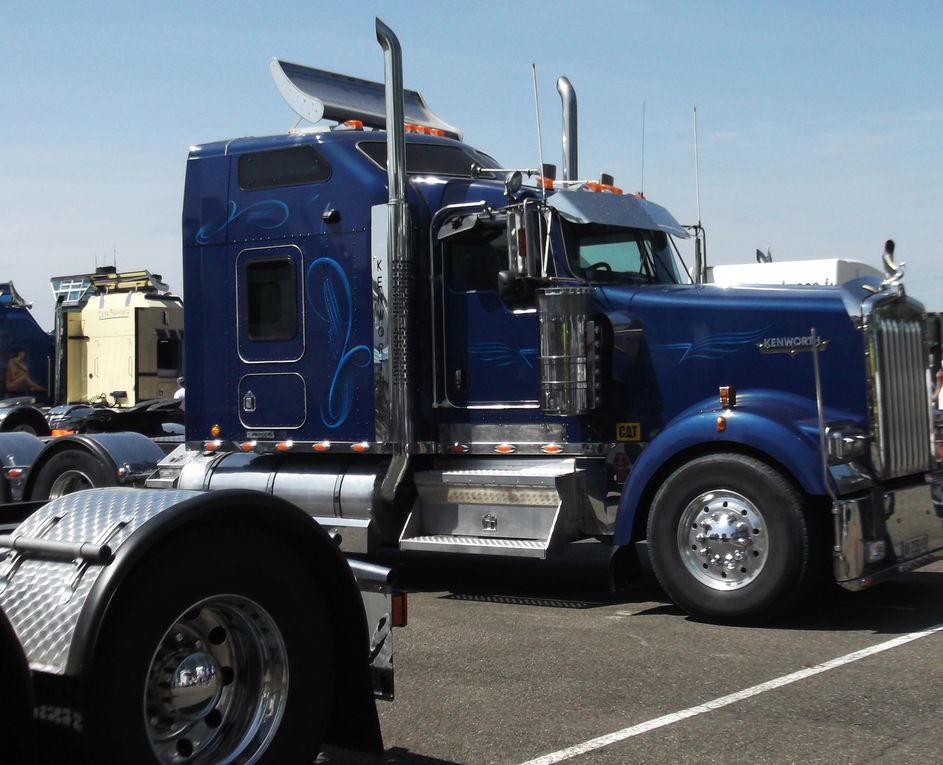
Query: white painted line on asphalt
[[723, 701]]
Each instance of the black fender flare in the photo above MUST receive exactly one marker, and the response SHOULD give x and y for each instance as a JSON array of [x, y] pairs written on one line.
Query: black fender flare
[[354, 721], [23, 413], [129, 452]]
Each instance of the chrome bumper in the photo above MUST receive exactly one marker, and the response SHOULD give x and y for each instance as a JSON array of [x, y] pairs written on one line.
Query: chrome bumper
[[884, 533]]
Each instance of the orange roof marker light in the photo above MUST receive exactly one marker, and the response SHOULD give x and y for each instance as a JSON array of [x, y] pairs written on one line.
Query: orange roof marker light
[[353, 124], [210, 446], [322, 446], [602, 187], [214, 431], [505, 448], [247, 446], [360, 447], [551, 448], [284, 446]]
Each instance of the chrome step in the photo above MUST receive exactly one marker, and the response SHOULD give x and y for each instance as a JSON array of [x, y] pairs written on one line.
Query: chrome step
[[530, 548], [522, 506]]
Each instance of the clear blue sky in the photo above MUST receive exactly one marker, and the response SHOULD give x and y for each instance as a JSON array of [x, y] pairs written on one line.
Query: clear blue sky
[[821, 124]]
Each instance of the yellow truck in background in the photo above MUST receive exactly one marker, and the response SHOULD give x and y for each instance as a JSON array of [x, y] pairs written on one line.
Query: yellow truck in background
[[123, 337], [114, 360]]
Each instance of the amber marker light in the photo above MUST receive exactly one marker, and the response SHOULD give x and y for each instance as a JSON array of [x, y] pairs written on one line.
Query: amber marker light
[[505, 448], [459, 448], [360, 447], [14, 472], [354, 124], [62, 432], [284, 446], [721, 424], [551, 448], [214, 431], [211, 446], [321, 446], [247, 446]]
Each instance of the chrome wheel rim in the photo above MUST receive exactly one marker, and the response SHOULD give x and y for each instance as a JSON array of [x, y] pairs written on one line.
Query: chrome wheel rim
[[68, 482], [217, 684], [722, 540]]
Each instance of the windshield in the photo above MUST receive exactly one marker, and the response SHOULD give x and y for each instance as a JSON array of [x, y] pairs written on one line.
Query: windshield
[[618, 255]]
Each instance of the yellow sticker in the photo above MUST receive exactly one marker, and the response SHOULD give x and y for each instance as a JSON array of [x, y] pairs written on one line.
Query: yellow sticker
[[628, 431]]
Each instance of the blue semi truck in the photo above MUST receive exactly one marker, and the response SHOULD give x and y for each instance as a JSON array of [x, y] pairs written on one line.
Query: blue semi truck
[[390, 331], [387, 329], [389, 334], [394, 336]]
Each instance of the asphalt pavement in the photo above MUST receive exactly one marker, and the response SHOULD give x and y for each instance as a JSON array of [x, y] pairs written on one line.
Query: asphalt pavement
[[509, 662]]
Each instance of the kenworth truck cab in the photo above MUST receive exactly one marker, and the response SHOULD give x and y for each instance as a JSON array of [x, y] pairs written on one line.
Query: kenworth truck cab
[[389, 331]]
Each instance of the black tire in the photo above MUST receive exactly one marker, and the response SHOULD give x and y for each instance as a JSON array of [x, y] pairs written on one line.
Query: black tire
[[71, 470], [728, 539], [126, 671], [16, 700]]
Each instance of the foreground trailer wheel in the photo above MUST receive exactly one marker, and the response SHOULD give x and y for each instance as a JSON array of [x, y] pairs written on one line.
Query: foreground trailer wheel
[[728, 538], [69, 471], [211, 656]]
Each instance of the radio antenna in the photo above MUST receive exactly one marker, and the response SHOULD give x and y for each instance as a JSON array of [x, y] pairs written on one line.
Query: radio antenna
[[697, 172], [642, 189], [540, 143]]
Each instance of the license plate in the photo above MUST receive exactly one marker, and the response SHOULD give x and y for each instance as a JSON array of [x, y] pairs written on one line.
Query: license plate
[[911, 548]]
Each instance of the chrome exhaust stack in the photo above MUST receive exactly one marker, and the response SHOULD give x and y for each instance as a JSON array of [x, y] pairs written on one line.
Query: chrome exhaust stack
[[401, 423], [568, 98]]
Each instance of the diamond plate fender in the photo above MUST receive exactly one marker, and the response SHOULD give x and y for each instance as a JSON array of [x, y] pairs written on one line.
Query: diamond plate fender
[[56, 606], [44, 598]]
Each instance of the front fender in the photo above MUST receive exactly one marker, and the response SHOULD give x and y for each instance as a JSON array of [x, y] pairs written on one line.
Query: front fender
[[781, 426]]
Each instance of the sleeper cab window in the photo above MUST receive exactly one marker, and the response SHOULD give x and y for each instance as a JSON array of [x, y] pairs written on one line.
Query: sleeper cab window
[[282, 167], [271, 300], [270, 311]]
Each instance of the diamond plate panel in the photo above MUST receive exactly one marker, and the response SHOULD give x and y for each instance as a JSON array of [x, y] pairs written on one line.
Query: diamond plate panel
[[43, 598]]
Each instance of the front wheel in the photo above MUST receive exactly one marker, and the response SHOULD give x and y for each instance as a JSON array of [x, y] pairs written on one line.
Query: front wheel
[[728, 538], [211, 655]]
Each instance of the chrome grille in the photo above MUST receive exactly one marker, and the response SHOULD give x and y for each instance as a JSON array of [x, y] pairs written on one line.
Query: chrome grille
[[901, 413]]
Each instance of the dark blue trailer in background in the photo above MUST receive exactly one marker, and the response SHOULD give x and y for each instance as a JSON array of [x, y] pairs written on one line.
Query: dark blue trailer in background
[[26, 358]]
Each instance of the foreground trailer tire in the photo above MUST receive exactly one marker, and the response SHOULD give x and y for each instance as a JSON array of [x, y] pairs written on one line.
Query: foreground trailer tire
[[209, 655], [16, 699], [728, 538]]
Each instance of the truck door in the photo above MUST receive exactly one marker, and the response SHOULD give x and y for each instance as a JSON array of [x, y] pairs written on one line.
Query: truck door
[[270, 338], [490, 350]]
